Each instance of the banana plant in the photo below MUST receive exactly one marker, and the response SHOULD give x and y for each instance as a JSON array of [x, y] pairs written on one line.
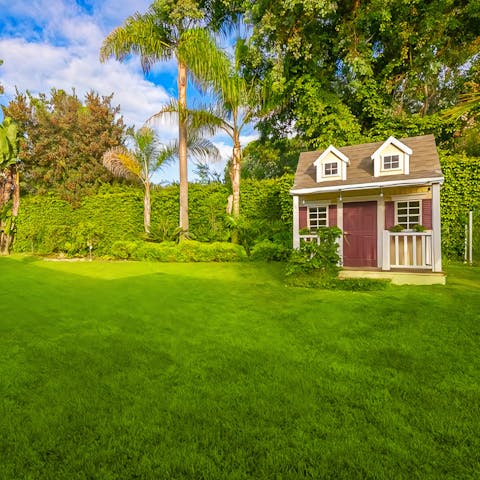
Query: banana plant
[[9, 182]]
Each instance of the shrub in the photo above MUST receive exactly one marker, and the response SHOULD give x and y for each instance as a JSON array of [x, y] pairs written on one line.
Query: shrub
[[123, 249], [313, 256], [312, 279], [326, 280], [268, 251], [361, 284], [185, 251]]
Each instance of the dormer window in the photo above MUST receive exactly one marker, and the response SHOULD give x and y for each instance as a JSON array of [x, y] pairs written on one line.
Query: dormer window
[[391, 162], [391, 158], [331, 169], [331, 165]]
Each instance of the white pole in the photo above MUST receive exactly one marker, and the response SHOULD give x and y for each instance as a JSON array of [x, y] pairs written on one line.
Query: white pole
[[470, 237], [466, 244]]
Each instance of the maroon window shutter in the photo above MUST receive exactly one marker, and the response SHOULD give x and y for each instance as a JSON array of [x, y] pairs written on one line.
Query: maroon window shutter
[[302, 217], [427, 213], [332, 215], [389, 214]]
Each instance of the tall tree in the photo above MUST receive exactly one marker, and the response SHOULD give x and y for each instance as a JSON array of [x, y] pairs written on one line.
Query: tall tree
[[237, 101], [168, 29], [65, 140], [9, 183], [370, 62]]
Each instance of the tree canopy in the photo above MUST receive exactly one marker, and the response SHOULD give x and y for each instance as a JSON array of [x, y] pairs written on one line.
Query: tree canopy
[[64, 140]]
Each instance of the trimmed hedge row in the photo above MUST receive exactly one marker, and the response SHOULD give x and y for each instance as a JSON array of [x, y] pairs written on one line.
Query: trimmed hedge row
[[459, 195], [186, 251], [48, 225]]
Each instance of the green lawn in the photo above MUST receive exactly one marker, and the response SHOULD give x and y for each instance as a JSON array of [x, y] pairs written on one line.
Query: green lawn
[[219, 371]]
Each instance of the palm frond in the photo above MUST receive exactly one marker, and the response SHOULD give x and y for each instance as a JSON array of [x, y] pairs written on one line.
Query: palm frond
[[121, 163], [204, 120], [209, 65], [467, 102], [143, 35]]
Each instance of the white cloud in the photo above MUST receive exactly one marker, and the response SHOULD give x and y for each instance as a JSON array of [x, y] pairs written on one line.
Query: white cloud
[[49, 44]]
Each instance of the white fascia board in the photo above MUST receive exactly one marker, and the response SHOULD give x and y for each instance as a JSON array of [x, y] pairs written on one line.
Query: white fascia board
[[337, 153], [392, 141], [365, 186]]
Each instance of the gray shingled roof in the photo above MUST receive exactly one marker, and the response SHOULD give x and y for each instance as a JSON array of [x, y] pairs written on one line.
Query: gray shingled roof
[[424, 163]]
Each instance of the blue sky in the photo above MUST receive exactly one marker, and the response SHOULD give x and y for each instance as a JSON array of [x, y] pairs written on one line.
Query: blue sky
[[56, 43]]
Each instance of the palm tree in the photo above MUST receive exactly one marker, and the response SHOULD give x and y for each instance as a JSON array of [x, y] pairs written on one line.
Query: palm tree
[[238, 100], [9, 182], [166, 30], [146, 157]]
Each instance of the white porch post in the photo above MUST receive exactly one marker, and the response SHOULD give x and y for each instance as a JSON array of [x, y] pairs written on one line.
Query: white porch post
[[340, 226], [436, 229], [380, 229], [296, 223]]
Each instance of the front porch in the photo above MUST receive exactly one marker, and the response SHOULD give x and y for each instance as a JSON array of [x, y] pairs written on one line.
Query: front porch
[[398, 277], [402, 252]]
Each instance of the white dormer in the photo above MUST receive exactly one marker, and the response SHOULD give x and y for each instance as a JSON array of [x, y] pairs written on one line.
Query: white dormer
[[331, 165], [392, 158]]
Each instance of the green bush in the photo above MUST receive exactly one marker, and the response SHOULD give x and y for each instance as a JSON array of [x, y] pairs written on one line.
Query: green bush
[[124, 249], [185, 251], [268, 251], [361, 284], [313, 256], [328, 281], [313, 279]]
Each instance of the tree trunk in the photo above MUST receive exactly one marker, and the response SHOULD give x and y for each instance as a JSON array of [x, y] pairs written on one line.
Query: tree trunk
[[235, 178], [9, 191], [146, 208], [235, 175], [182, 147]]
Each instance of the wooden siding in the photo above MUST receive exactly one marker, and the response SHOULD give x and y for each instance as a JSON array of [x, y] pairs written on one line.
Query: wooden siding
[[303, 217], [427, 213], [389, 215], [332, 216]]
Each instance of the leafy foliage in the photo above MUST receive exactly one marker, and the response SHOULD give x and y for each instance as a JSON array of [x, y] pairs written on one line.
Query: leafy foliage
[[459, 195], [9, 183], [185, 251], [359, 69], [64, 141], [317, 257], [268, 251]]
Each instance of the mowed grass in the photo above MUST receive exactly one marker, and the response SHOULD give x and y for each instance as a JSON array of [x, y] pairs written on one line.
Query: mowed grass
[[219, 371]]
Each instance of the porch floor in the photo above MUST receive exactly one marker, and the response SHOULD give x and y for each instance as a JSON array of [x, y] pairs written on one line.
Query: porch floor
[[397, 277]]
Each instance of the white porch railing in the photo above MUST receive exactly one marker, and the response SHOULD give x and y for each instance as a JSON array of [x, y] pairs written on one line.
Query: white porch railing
[[407, 250], [312, 237]]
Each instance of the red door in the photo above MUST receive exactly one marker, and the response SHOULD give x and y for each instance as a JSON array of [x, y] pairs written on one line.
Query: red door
[[360, 234]]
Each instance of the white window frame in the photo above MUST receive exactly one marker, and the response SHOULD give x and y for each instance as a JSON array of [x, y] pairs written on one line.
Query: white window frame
[[390, 160], [317, 207], [409, 224], [331, 165]]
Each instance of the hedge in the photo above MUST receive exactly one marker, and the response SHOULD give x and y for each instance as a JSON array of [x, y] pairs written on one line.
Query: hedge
[[48, 225], [459, 194]]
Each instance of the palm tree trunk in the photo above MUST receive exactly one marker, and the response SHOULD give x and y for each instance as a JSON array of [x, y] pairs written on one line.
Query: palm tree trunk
[[182, 146], [235, 175], [235, 179], [146, 208]]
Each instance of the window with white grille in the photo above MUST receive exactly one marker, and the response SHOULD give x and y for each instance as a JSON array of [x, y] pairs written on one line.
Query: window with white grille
[[408, 213], [317, 217], [331, 168], [391, 162]]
